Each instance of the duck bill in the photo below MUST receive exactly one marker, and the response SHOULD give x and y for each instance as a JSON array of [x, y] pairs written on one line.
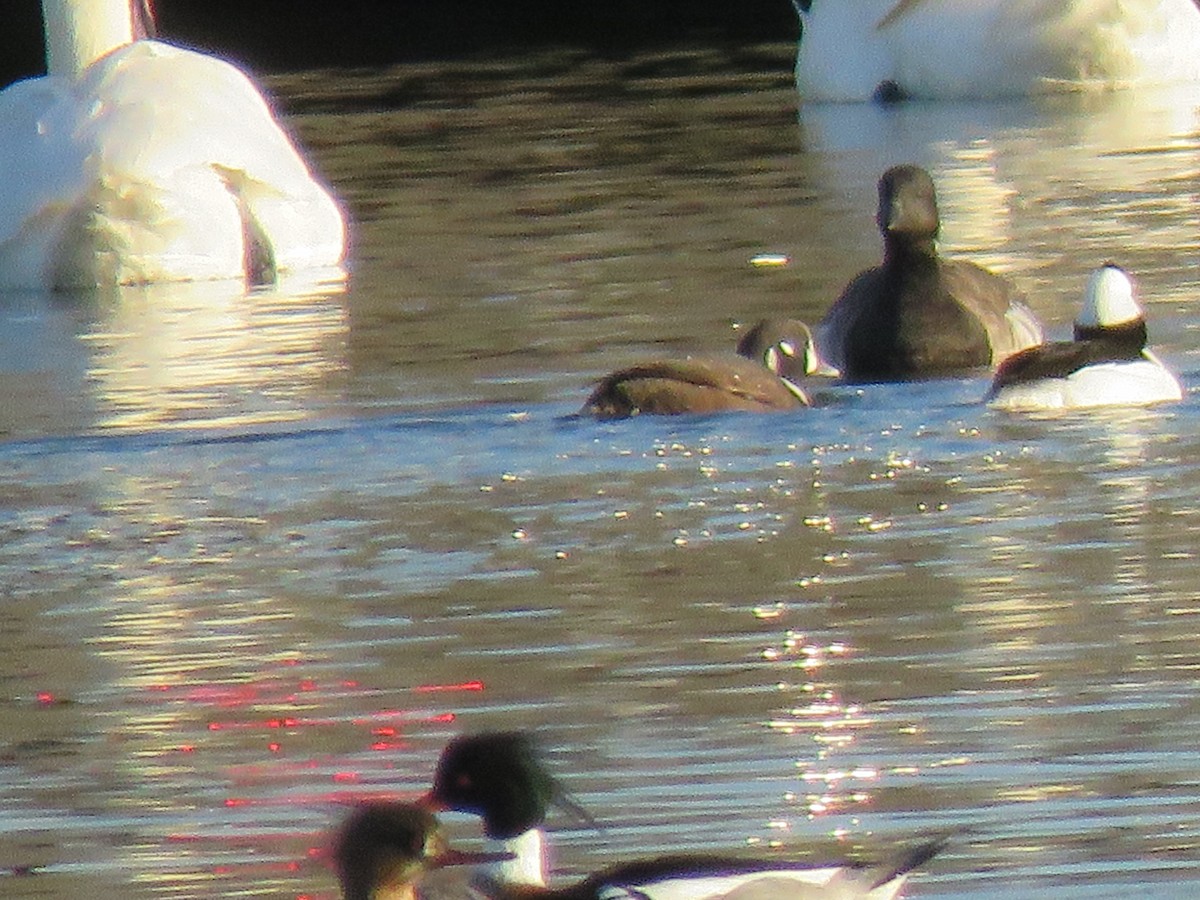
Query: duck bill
[[451, 857]]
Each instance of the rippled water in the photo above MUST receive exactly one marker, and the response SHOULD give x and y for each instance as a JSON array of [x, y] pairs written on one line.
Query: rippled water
[[261, 554]]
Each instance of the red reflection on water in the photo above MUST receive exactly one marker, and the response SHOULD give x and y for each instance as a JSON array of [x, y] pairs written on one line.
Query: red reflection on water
[[462, 686], [283, 707]]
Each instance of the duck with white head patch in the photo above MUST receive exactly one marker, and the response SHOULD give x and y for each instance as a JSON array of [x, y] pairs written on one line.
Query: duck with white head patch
[[855, 50], [500, 777], [764, 377], [133, 161], [918, 314], [1107, 364]]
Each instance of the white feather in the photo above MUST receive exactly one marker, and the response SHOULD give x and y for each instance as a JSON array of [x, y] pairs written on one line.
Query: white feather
[[144, 168], [527, 867], [1109, 299], [1134, 383], [967, 49], [828, 883]]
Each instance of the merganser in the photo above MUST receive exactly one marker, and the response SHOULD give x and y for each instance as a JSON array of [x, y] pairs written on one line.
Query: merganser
[[500, 777], [133, 161], [920, 315], [1107, 364], [854, 50], [760, 379], [383, 848]]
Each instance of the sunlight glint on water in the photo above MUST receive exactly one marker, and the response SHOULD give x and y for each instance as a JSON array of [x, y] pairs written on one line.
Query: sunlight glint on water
[[263, 554]]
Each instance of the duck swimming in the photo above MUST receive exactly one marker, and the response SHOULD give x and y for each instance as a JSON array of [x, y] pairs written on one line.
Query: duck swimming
[[760, 379], [1107, 364], [786, 347], [855, 50], [133, 161], [918, 314], [500, 777], [382, 850]]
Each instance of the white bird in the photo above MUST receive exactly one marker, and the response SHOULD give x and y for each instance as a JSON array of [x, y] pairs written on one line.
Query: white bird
[[854, 50], [1108, 363], [133, 161]]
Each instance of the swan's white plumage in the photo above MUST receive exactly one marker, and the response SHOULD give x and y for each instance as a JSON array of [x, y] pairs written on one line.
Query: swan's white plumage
[[146, 168], [968, 49]]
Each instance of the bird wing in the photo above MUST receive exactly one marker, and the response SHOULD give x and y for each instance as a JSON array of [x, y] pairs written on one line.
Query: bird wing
[[1059, 360], [693, 384], [902, 8], [833, 330], [997, 303], [43, 167], [163, 110], [701, 878]]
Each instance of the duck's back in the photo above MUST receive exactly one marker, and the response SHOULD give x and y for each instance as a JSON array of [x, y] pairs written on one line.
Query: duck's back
[[692, 385], [997, 303], [1078, 375], [950, 317]]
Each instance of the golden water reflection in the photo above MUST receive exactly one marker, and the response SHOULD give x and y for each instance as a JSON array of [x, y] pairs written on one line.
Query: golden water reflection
[[814, 634], [213, 354]]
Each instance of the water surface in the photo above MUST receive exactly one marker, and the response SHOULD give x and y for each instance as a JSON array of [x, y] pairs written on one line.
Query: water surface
[[262, 554]]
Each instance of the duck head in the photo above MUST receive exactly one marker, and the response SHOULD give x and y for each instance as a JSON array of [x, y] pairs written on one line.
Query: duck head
[[908, 209], [383, 848], [786, 347], [499, 776], [1110, 309]]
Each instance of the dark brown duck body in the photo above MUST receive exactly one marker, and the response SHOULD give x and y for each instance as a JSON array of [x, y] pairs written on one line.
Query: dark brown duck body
[[918, 315], [691, 385], [771, 353]]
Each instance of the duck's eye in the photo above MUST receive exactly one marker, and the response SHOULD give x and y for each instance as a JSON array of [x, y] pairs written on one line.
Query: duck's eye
[[463, 781]]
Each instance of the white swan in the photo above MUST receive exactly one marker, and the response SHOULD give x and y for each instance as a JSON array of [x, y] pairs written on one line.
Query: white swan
[[852, 50], [133, 161]]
